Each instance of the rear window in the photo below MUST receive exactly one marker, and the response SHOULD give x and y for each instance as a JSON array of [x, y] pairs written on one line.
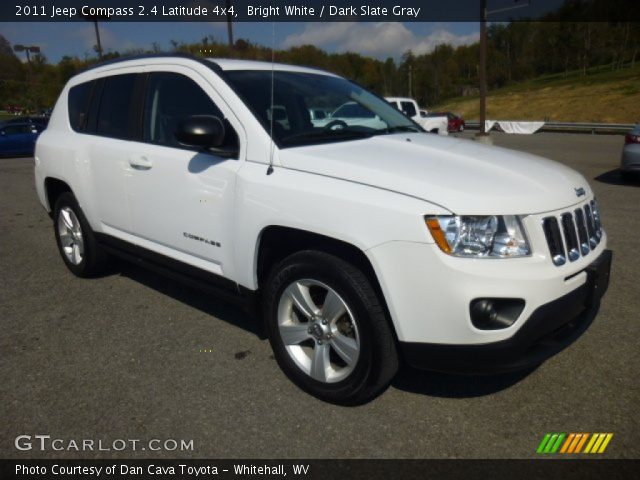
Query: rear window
[[408, 109], [78, 105], [116, 112]]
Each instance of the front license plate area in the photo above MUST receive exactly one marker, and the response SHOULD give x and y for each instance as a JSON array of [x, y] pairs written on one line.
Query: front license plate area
[[599, 273]]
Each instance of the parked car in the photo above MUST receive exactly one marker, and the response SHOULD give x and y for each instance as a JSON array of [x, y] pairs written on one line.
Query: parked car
[[410, 108], [18, 139], [13, 109], [351, 114], [39, 122], [364, 246], [630, 163], [455, 122]]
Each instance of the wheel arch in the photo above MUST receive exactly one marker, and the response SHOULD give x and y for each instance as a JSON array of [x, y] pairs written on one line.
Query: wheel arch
[[53, 188], [277, 242]]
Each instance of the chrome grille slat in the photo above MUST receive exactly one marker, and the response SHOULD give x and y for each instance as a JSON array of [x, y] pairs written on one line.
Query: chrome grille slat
[[573, 234], [591, 227], [570, 236], [554, 240], [596, 218], [582, 231]]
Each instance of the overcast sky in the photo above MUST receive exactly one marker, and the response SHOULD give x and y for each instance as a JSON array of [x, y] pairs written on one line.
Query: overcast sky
[[380, 40]]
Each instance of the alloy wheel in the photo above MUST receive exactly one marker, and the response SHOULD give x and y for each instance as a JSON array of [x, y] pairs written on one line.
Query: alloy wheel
[[70, 234], [318, 330]]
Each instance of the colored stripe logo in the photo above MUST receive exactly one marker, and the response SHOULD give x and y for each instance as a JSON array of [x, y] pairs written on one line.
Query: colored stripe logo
[[573, 443]]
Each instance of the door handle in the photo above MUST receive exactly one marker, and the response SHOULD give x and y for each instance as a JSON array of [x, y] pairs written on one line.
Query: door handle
[[140, 162]]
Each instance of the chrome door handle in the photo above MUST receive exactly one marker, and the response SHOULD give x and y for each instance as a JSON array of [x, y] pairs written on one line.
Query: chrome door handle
[[140, 163]]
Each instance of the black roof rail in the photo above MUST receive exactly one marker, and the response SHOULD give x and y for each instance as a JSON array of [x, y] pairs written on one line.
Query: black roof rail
[[214, 66]]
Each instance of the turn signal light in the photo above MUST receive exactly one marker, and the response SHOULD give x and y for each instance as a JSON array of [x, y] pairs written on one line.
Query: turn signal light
[[438, 234]]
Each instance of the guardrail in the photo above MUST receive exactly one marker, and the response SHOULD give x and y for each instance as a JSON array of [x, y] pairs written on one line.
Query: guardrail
[[568, 127]]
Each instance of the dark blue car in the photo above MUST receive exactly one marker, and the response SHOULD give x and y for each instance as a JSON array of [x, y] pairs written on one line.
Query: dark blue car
[[18, 139]]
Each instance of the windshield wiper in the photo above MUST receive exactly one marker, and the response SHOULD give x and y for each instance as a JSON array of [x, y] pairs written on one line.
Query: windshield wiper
[[400, 128], [342, 133]]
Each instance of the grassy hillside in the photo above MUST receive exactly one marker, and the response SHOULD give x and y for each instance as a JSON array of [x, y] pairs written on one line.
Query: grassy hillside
[[601, 96]]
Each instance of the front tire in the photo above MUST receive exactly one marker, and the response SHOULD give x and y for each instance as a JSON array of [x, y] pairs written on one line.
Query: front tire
[[77, 244], [328, 329]]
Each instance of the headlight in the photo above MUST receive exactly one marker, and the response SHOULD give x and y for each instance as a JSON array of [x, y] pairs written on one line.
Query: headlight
[[490, 236]]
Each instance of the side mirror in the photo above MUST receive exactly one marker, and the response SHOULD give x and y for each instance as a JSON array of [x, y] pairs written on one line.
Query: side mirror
[[202, 131]]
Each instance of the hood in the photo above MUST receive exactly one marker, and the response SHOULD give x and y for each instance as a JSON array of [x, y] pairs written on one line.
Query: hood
[[463, 176]]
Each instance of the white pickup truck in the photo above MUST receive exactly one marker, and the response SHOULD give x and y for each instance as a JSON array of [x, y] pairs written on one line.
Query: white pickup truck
[[408, 106]]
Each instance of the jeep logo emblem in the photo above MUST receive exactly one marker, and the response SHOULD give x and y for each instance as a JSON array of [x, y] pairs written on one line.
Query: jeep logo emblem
[[579, 192]]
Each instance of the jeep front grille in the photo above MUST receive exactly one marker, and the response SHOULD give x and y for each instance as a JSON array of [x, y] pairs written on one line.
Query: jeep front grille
[[573, 234]]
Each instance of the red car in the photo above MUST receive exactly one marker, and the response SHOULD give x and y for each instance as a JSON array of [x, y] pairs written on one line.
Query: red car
[[456, 123], [13, 109]]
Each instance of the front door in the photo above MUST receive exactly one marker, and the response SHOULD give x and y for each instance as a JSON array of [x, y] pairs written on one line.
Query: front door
[[182, 200]]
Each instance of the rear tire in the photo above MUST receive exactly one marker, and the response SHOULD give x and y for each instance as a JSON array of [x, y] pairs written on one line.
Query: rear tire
[[76, 241], [328, 329]]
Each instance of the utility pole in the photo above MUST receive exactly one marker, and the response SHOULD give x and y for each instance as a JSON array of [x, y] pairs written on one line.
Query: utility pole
[[229, 25], [23, 48], [27, 50], [482, 71], [95, 19], [410, 79], [98, 44], [482, 74]]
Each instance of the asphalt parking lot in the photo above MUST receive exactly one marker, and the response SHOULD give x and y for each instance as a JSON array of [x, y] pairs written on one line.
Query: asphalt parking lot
[[134, 356]]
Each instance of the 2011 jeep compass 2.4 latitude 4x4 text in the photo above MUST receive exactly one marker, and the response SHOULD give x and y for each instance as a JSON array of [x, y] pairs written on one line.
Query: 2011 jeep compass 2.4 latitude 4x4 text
[[367, 239]]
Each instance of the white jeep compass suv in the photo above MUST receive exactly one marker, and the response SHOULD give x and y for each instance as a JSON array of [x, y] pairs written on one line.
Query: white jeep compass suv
[[365, 244]]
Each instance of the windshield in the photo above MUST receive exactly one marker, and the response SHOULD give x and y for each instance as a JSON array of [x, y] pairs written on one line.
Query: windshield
[[352, 111]]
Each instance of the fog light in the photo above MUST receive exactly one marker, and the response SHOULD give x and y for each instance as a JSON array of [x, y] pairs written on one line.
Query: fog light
[[495, 313]]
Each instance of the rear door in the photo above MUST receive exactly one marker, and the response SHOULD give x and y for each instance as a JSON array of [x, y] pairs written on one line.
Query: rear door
[[114, 124]]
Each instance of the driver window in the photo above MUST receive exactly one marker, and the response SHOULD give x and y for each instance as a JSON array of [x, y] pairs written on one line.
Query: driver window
[[170, 98]]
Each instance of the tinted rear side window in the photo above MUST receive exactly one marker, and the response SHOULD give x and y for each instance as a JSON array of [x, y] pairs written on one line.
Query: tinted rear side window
[[116, 117], [78, 104]]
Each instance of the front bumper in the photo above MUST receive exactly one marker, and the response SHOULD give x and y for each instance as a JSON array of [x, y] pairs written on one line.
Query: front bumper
[[548, 330]]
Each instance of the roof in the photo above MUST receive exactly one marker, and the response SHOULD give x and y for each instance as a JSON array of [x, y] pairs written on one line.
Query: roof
[[225, 64], [228, 64]]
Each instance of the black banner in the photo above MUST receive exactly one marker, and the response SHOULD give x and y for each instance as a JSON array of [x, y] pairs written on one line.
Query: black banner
[[317, 10], [582, 469]]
